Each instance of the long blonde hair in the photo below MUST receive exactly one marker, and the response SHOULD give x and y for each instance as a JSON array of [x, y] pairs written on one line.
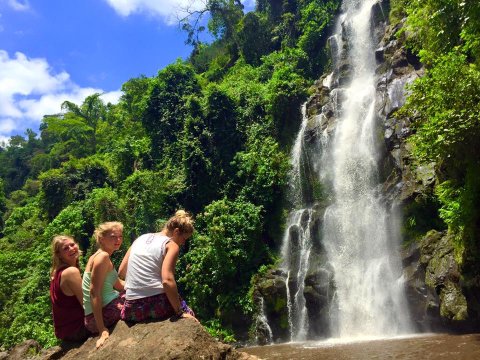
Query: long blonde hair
[[182, 221], [57, 243], [105, 227]]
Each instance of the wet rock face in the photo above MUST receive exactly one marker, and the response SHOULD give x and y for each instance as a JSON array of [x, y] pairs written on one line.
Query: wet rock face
[[396, 68], [433, 286], [436, 295], [270, 299], [318, 294], [270, 295], [379, 19]]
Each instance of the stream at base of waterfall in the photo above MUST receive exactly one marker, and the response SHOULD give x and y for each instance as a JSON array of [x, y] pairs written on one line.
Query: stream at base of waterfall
[[424, 346]]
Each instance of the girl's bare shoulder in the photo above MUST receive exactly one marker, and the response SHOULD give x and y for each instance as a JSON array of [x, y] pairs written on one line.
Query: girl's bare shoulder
[[71, 271]]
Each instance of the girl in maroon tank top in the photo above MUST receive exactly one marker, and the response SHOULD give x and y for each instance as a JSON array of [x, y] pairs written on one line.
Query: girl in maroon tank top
[[66, 290]]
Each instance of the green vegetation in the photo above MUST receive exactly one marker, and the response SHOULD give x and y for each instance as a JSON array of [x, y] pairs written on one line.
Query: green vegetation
[[444, 107], [210, 135]]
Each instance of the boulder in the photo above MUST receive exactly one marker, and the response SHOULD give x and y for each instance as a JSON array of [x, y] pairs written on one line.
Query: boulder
[[183, 339], [423, 300], [433, 283]]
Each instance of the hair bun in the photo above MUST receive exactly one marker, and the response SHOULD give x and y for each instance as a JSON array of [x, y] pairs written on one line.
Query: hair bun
[[181, 220], [181, 213]]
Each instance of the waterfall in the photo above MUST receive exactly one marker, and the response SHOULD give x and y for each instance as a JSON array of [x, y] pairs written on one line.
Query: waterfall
[[359, 231], [262, 325], [297, 243], [359, 288]]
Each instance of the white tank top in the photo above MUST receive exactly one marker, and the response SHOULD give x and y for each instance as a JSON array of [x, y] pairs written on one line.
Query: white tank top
[[144, 270]]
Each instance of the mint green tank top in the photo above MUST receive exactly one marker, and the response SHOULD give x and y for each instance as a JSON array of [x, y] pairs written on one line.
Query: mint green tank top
[[108, 292]]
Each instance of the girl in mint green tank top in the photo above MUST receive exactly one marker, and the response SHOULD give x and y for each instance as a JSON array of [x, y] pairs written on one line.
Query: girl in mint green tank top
[[101, 285]]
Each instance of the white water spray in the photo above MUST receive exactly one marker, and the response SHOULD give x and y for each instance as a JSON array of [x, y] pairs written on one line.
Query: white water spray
[[297, 243], [358, 232], [262, 323]]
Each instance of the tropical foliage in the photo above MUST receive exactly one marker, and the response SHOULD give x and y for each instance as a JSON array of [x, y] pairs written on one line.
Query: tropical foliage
[[209, 134], [444, 107]]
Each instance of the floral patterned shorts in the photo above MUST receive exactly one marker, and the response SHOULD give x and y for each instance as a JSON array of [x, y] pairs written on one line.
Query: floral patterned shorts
[[111, 314], [156, 307]]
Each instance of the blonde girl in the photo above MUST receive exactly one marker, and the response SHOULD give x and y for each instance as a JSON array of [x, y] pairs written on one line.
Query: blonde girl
[[101, 285], [66, 290], [149, 270]]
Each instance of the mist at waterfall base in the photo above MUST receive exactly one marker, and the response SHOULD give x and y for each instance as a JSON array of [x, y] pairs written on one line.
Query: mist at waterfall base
[[358, 231]]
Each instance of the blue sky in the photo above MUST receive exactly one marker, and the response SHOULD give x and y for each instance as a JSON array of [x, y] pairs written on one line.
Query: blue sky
[[52, 51]]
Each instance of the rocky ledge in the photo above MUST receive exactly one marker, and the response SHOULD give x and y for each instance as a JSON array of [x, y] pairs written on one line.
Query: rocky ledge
[[183, 339]]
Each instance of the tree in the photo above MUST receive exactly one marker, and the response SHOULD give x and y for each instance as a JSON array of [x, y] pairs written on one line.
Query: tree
[[66, 136], [315, 18], [147, 197], [135, 95], [3, 206], [221, 121], [92, 111], [445, 107], [130, 154], [262, 171], [165, 112], [253, 38], [435, 27], [197, 148], [222, 258], [15, 159], [286, 90], [224, 16], [76, 178]]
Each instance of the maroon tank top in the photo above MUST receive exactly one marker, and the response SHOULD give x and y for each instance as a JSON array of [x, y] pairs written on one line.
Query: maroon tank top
[[67, 311]]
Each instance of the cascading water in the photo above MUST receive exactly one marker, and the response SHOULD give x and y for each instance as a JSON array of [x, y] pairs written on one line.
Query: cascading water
[[358, 235], [262, 324], [297, 244], [358, 231]]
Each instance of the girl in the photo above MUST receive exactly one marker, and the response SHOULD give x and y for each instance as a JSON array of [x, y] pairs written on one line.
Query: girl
[[101, 301], [66, 290], [149, 266]]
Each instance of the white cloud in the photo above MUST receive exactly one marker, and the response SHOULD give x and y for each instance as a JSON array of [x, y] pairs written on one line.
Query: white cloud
[[19, 5], [29, 89], [27, 76], [168, 10], [7, 125], [111, 97]]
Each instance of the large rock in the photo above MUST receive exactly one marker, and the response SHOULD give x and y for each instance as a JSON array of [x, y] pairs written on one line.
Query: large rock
[[270, 298], [433, 283], [423, 300], [318, 293], [183, 339]]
